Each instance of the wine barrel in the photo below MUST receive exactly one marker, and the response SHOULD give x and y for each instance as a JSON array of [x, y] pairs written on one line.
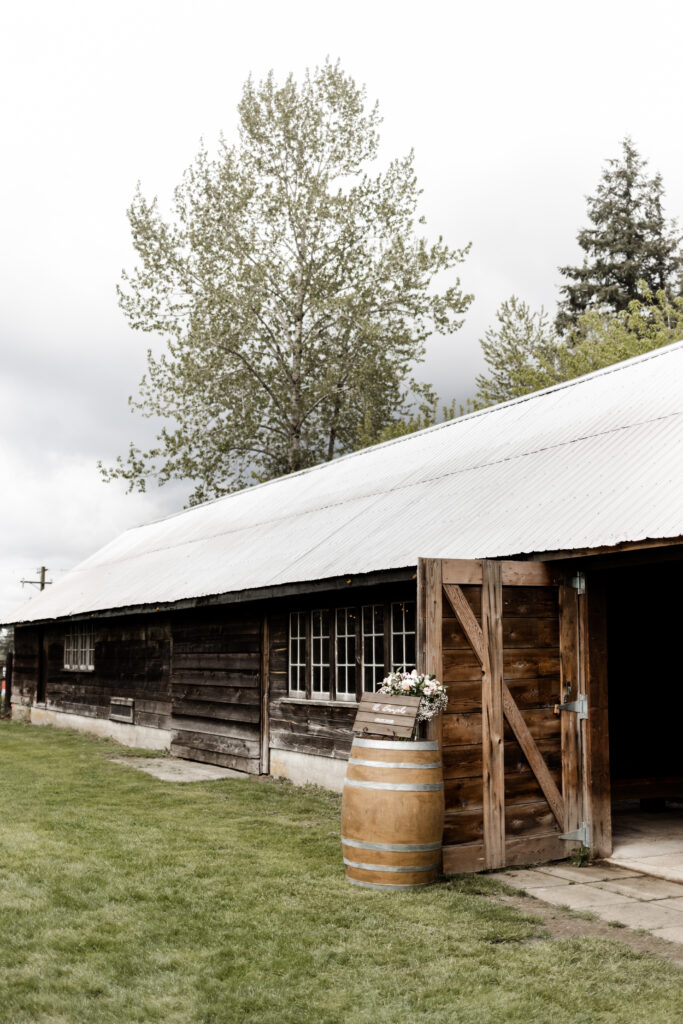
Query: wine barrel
[[392, 813]]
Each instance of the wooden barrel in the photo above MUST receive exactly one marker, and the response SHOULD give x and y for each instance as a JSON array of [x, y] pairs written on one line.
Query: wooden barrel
[[392, 813]]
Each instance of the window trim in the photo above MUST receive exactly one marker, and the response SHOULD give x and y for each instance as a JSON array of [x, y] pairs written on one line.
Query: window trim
[[347, 695], [79, 640], [314, 640], [403, 633], [301, 617], [334, 697]]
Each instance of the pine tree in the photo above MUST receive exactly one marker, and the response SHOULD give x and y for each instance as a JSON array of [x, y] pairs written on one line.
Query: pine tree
[[630, 240]]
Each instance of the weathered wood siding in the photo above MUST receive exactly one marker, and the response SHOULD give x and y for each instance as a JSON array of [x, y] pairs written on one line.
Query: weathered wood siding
[[216, 687], [530, 666], [26, 663], [132, 659], [303, 726], [318, 726]]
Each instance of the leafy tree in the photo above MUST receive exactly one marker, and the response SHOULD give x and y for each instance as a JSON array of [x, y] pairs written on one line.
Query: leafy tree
[[524, 354], [519, 353], [427, 415], [293, 291], [629, 240]]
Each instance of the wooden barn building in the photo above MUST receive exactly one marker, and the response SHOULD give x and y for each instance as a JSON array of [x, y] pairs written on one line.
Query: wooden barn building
[[528, 554]]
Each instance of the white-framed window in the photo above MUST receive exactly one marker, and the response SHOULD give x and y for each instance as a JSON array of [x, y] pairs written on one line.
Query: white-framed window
[[345, 662], [297, 654], [403, 635], [373, 646], [320, 653], [79, 648]]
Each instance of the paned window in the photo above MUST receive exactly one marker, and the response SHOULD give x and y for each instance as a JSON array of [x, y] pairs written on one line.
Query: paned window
[[320, 653], [403, 635], [346, 653], [79, 649], [373, 646], [297, 653]]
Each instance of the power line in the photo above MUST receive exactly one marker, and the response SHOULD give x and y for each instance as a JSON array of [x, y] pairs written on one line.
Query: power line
[[42, 582]]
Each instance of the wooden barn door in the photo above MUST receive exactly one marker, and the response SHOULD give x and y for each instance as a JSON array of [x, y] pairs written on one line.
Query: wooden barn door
[[504, 636]]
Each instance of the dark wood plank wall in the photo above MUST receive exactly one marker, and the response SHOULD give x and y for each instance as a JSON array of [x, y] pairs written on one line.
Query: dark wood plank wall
[[531, 669], [216, 683], [302, 727], [198, 673], [26, 656], [132, 659]]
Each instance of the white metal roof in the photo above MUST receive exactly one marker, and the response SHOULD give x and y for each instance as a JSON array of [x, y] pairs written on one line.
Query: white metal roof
[[586, 464]]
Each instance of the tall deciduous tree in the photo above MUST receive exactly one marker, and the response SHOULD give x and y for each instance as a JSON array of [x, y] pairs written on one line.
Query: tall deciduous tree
[[629, 240], [293, 290]]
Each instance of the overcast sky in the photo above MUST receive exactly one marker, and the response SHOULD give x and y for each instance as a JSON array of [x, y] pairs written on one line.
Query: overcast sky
[[512, 109]]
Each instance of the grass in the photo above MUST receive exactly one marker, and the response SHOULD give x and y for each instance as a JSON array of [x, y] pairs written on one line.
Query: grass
[[126, 900]]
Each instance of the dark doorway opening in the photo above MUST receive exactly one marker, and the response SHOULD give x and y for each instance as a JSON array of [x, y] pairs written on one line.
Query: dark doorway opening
[[645, 694]]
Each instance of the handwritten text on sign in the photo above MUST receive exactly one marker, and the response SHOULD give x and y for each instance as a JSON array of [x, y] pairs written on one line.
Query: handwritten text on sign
[[383, 714]]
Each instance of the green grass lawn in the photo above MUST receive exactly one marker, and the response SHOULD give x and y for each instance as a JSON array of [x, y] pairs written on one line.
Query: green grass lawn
[[125, 899]]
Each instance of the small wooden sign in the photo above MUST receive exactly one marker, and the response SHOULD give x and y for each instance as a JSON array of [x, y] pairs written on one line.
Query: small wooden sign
[[383, 714]]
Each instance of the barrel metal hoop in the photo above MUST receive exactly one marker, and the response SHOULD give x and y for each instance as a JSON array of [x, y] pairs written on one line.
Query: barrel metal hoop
[[393, 764], [392, 847], [406, 787], [396, 744], [396, 868], [387, 885]]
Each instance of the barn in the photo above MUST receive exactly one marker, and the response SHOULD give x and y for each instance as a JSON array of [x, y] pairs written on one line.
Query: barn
[[527, 554]]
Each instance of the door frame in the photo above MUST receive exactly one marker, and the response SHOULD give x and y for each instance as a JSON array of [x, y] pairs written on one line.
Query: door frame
[[585, 796]]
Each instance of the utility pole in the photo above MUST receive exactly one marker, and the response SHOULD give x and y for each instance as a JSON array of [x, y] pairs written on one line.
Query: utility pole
[[42, 582]]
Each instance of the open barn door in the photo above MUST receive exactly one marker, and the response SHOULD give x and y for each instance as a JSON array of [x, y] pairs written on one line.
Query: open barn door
[[504, 636]]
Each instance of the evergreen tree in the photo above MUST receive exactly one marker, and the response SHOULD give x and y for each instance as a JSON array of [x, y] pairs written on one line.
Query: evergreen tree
[[520, 353], [630, 240], [524, 354]]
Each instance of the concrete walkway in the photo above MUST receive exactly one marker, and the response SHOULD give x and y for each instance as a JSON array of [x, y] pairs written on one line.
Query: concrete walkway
[[651, 844], [171, 769], [615, 894]]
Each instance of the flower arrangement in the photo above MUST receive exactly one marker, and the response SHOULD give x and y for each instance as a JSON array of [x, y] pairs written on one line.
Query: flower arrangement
[[411, 684]]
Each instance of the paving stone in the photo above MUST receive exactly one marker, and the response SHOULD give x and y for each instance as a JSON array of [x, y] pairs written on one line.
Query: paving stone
[[649, 916], [636, 849], [582, 897], [671, 872], [529, 879], [674, 904], [591, 873], [672, 934], [643, 887]]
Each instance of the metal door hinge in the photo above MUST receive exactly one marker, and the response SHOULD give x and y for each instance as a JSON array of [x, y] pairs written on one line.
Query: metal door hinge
[[579, 835], [579, 583], [578, 706]]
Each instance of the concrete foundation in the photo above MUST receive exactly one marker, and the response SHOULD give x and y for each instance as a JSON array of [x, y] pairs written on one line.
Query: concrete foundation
[[121, 732], [303, 769]]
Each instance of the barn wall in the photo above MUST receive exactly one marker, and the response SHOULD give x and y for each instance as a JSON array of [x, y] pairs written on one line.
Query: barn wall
[[216, 687], [310, 740], [25, 668], [197, 675], [132, 660]]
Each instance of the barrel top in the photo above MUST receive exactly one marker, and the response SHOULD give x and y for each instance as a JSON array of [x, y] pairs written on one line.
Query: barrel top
[[405, 745]]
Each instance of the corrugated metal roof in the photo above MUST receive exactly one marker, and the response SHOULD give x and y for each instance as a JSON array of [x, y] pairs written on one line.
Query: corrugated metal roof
[[590, 463]]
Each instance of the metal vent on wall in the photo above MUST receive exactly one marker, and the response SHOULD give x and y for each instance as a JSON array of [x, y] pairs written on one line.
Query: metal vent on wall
[[122, 709]]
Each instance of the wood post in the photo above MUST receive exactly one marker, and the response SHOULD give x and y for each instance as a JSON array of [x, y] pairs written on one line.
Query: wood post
[[597, 792], [264, 761], [571, 688], [493, 764]]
